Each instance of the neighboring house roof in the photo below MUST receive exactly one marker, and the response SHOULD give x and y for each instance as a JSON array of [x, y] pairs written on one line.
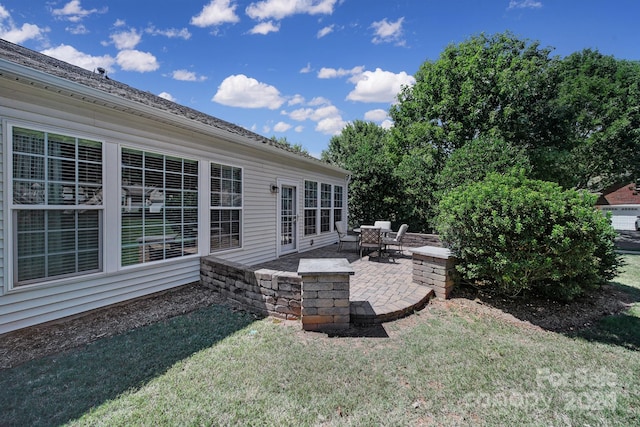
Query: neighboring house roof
[[99, 81], [620, 194]]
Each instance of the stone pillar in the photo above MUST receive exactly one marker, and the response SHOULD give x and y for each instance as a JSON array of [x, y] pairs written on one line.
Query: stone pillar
[[434, 267], [325, 293]]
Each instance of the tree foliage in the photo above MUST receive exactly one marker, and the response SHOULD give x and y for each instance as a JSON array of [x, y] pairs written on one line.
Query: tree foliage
[[601, 97], [574, 121], [361, 149], [477, 158], [517, 234], [494, 85]]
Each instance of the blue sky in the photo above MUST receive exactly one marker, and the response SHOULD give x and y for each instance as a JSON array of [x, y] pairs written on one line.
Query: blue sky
[[300, 69]]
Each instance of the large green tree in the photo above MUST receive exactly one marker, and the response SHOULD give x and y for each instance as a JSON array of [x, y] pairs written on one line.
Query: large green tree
[[600, 95], [477, 158], [576, 120], [361, 149], [497, 85]]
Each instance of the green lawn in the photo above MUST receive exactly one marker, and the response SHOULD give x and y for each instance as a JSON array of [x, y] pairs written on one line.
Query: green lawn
[[441, 366]]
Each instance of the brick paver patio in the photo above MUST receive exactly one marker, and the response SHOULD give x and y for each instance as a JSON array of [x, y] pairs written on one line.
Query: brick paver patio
[[381, 289]]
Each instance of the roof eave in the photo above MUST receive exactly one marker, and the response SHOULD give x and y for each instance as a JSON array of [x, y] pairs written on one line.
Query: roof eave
[[27, 75]]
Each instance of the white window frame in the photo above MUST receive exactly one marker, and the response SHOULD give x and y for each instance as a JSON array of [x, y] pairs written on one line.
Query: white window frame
[[11, 237], [212, 208], [148, 248]]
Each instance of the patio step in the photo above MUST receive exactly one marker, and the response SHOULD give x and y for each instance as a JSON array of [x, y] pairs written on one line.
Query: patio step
[[384, 305]]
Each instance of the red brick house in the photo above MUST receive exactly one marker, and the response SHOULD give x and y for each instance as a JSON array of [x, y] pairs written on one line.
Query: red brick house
[[623, 201]]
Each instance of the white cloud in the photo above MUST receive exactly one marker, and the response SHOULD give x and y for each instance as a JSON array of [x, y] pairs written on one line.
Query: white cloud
[[320, 110], [10, 32], [388, 32], [26, 32], [525, 4], [135, 60], [167, 96], [242, 91], [265, 28], [126, 39], [380, 86], [296, 100], [324, 31], [217, 12], [377, 115], [282, 127], [332, 73], [306, 69], [315, 115], [73, 56], [172, 33], [77, 30], [319, 100], [331, 126], [119, 23], [74, 12], [279, 9], [187, 76]]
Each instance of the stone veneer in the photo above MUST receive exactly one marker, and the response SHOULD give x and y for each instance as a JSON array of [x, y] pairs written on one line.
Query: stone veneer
[[325, 293], [267, 292], [434, 267]]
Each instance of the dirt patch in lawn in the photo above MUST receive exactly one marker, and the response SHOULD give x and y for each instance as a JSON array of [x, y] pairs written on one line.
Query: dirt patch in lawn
[[556, 316], [42, 340], [39, 341]]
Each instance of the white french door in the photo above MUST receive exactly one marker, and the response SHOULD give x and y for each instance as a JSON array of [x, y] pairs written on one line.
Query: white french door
[[288, 219]]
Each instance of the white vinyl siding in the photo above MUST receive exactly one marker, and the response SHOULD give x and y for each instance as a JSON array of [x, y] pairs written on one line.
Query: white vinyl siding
[[28, 106]]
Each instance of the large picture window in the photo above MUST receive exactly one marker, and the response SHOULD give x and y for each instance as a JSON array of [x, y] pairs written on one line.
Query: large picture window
[[159, 207], [226, 207], [57, 205]]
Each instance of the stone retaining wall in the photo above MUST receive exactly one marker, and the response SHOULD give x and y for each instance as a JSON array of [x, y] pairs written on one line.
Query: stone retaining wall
[[434, 267], [414, 240], [262, 291]]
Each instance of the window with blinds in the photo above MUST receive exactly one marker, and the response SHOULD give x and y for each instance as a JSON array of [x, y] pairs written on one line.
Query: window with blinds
[[57, 205], [159, 211]]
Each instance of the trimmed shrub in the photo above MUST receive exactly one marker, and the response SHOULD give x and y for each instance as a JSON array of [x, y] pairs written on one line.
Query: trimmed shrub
[[517, 234]]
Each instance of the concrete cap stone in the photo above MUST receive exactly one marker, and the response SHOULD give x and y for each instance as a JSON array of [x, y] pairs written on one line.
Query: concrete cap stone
[[432, 251], [325, 266]]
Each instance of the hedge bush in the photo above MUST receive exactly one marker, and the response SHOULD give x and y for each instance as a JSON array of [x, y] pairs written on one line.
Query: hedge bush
[[517, 234]]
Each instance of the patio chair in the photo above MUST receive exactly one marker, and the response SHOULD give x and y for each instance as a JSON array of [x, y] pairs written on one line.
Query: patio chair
[[384, 225], [370, 238], [344, 236], [396, 241]]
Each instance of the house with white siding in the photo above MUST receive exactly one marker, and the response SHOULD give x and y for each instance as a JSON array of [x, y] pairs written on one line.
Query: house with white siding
[[622, 202], [110, 193]]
